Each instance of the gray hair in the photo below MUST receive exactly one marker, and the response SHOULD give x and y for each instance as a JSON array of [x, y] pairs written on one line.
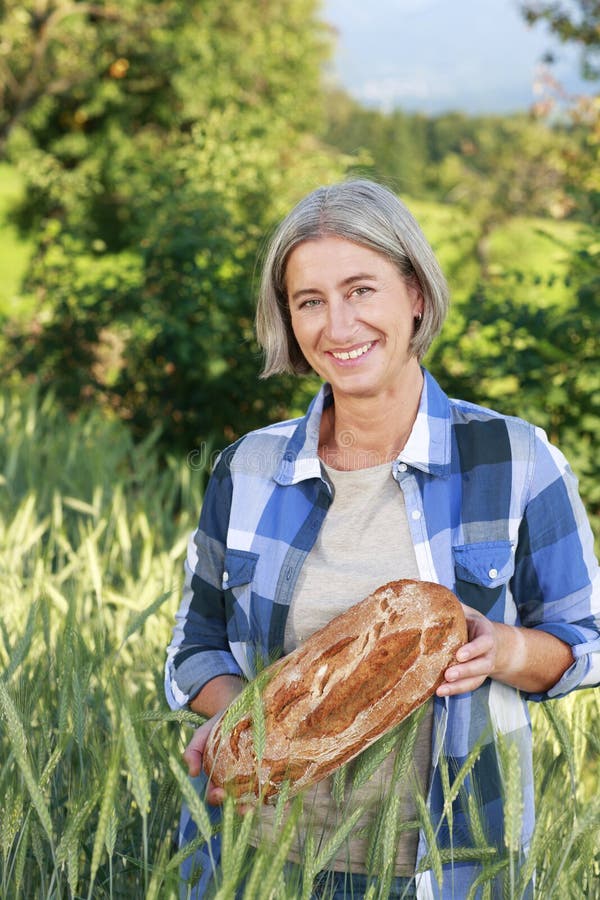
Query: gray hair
[[368, 214]]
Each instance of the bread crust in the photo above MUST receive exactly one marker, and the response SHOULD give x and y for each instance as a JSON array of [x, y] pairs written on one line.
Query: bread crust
[[342, 689]]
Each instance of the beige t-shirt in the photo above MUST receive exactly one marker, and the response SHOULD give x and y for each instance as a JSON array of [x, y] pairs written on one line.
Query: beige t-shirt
[[363, 543]]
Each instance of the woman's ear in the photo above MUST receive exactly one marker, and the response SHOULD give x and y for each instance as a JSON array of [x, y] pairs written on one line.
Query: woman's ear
[[418, 301]]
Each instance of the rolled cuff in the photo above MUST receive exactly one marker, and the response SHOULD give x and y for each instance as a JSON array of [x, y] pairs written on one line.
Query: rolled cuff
[[183, 682]]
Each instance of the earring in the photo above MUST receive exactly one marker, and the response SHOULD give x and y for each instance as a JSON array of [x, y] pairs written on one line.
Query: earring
[[418, 319]]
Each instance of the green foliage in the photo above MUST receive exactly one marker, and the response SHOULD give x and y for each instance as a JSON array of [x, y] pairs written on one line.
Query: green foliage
[[155, 167], [391, 147], [14, 251], [152, 178], [575, 22], [578, 23], [91, 535], [73, 72], [92, 531], [534, 359], [490, 166]]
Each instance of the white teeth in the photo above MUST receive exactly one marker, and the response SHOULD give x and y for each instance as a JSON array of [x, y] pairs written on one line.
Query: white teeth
[[353, 354]]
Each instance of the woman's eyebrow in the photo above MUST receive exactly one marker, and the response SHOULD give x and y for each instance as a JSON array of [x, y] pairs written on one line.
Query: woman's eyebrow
[[360, 276]]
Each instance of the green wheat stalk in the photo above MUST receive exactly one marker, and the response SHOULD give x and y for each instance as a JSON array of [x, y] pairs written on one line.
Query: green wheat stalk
[[22, 647], [106, 809], [565, 743], [180, 716], [338, 785], [390, 842], [140, 782], [259, 725], [433, 858], [309, 868], [137, 769], [21, 857], [138, 620], [337, 839], [18, 741], [486, 877], [266, 888], [195, 805], [74, 827], [235, 846]]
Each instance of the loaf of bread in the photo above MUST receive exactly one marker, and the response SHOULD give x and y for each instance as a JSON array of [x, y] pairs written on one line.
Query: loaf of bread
[[343, 688]]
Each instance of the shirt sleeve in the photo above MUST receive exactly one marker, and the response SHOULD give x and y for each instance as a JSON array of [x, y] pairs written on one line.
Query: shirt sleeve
[[199, 650], [556, 583]]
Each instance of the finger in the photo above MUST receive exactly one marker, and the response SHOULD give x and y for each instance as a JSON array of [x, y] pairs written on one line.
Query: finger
[[465, 685], [245, 808], [193, 760], [480, 665], [214, 795], [479, 646]]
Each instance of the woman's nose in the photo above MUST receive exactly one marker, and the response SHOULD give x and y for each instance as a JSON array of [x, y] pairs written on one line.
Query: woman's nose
[[341, 323]]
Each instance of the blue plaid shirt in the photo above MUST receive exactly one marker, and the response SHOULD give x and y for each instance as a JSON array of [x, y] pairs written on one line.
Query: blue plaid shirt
[[494, 515]]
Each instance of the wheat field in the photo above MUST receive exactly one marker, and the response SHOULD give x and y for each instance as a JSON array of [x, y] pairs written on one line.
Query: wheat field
[[92, 536]]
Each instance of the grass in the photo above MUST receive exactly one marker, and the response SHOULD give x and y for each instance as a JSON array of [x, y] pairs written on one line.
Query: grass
[[92, 535]]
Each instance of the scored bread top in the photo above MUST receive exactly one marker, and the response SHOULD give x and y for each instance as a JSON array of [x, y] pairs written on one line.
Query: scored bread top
[[343, 688]]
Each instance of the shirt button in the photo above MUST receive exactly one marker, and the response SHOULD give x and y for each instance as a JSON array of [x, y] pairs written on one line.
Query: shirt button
[[416, 514], [402, 467], [225, 576], [493, 573]]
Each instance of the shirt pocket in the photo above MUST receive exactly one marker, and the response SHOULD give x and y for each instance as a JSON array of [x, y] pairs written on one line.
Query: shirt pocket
[[238, 574], [238, 568], [482, 571]]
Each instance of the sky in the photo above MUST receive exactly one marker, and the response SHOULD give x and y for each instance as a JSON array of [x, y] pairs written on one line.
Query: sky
[[477, 56]]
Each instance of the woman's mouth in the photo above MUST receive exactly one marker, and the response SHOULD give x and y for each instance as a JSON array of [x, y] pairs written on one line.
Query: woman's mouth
[[354, 353]]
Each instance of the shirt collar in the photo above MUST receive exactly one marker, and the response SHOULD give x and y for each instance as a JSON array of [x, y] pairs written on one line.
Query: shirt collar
[[427, 448], [429, 443], [300, 459]]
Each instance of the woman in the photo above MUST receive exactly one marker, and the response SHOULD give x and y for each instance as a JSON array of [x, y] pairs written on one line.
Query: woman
[[385, 477]]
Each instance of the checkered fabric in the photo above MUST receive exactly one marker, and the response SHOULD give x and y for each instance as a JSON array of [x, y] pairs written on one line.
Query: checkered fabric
[[494, 515]]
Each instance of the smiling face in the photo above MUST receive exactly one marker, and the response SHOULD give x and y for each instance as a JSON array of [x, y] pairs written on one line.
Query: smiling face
[[353, 315]]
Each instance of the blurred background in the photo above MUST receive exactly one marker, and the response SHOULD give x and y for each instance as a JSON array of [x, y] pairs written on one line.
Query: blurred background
[[147, 150]]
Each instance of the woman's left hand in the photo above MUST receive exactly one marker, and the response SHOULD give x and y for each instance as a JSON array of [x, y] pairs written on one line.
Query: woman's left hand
[[475, 660]]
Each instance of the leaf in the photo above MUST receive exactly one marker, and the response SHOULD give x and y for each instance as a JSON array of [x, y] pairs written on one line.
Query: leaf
[[136, 622], [22, 647], [337, 839]]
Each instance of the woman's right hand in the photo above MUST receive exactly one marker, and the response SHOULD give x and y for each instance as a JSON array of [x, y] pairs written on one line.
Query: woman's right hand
[[192, 756]]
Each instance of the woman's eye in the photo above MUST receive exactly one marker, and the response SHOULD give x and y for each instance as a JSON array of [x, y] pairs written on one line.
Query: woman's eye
[[310, 303], [362, 291]]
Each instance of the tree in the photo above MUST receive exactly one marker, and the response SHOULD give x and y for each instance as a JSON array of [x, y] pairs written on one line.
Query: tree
[[391, 147], [151, 186], [575, 22], [535, 360], [68, 65]]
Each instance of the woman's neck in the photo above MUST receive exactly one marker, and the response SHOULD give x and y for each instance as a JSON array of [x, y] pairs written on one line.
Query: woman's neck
[[361, 432]]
